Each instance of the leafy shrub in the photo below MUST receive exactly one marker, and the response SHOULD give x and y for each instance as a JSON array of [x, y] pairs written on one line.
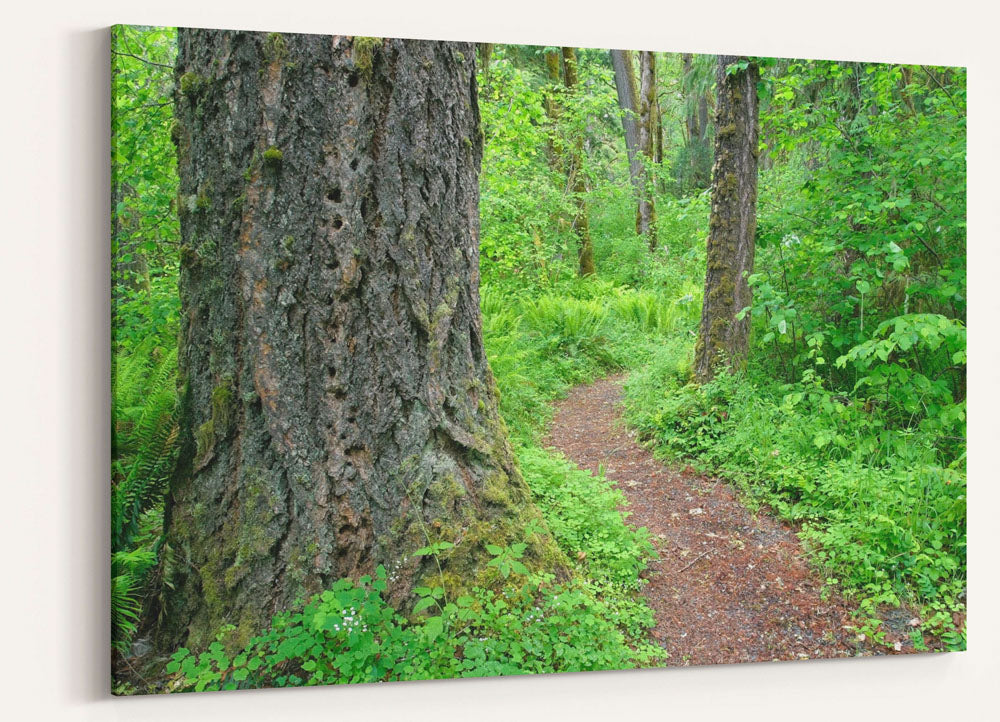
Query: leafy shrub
[[907, 363], [144, 449], [582, 512], [350, 634], [888, 524]]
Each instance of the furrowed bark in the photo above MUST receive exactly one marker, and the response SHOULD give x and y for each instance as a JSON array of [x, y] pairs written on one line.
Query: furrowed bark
[[722, 338], [338, 408]]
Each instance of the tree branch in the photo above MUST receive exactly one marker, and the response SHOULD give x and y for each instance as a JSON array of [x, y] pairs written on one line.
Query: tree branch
[[141, 59]]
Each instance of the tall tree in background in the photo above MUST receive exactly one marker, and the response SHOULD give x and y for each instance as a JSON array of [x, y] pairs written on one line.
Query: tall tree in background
[[696, 102], [722, 337], [485, 53], [694, 165], [628, 100], [576, 182], [553, 70], [658, 121], [648, 116], [337, 404]]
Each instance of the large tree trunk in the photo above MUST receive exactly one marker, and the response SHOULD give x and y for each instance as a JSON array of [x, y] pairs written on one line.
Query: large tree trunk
[[723, 338], [575, 178], [646, 212], [628, 101], [338, 409]]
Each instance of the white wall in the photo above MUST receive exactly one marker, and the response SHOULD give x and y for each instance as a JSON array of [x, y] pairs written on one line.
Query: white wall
[[54, 382]]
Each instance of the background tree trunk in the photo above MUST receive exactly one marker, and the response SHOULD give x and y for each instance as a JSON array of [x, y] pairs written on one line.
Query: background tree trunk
[[646, 212], [485, 51], [690, 118], [575, 178], [702, 117], [628, 101], [658, 122], [732, 224], [697, 164], [553, 68], [338, 409]]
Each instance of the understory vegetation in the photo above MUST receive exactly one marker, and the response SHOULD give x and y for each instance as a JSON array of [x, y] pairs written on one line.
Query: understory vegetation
[[850, 416], [529, 623], [848, 419]]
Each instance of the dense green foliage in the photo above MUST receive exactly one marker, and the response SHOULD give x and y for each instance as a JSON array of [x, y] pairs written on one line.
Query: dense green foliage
[[849, 420], [851, 417], [349, 634], [145, 232]]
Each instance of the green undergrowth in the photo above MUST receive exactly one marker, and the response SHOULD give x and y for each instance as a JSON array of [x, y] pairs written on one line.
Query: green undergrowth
[[144, 435], [538, 347], [881, 509], [350, 634]]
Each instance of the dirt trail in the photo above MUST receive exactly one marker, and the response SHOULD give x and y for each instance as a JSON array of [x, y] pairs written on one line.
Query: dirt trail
[[729, 586]]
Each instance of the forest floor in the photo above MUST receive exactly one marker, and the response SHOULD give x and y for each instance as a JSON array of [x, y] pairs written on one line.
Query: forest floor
[[730, 585]]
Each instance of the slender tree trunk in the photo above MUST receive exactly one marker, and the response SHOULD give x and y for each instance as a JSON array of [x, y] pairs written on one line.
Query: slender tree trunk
[[702, 117], [338, 409], [722, 337], [661, 181], [658, 153], [690, 117], [553, 68], [702, 163], [646, 212], [485, 51], [696, 123], [628, 101], [576, 180]]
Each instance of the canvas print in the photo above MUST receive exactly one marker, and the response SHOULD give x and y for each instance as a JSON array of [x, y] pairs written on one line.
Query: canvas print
[[448, 359]]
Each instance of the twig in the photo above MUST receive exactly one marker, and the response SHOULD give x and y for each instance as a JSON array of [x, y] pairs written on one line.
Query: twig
[[928, 247], [691, 563], [937, 82], [135, 671], [142, 107], [144, 60]]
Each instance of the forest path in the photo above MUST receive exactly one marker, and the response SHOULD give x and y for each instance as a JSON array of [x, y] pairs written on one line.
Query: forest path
[[729, 585]]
